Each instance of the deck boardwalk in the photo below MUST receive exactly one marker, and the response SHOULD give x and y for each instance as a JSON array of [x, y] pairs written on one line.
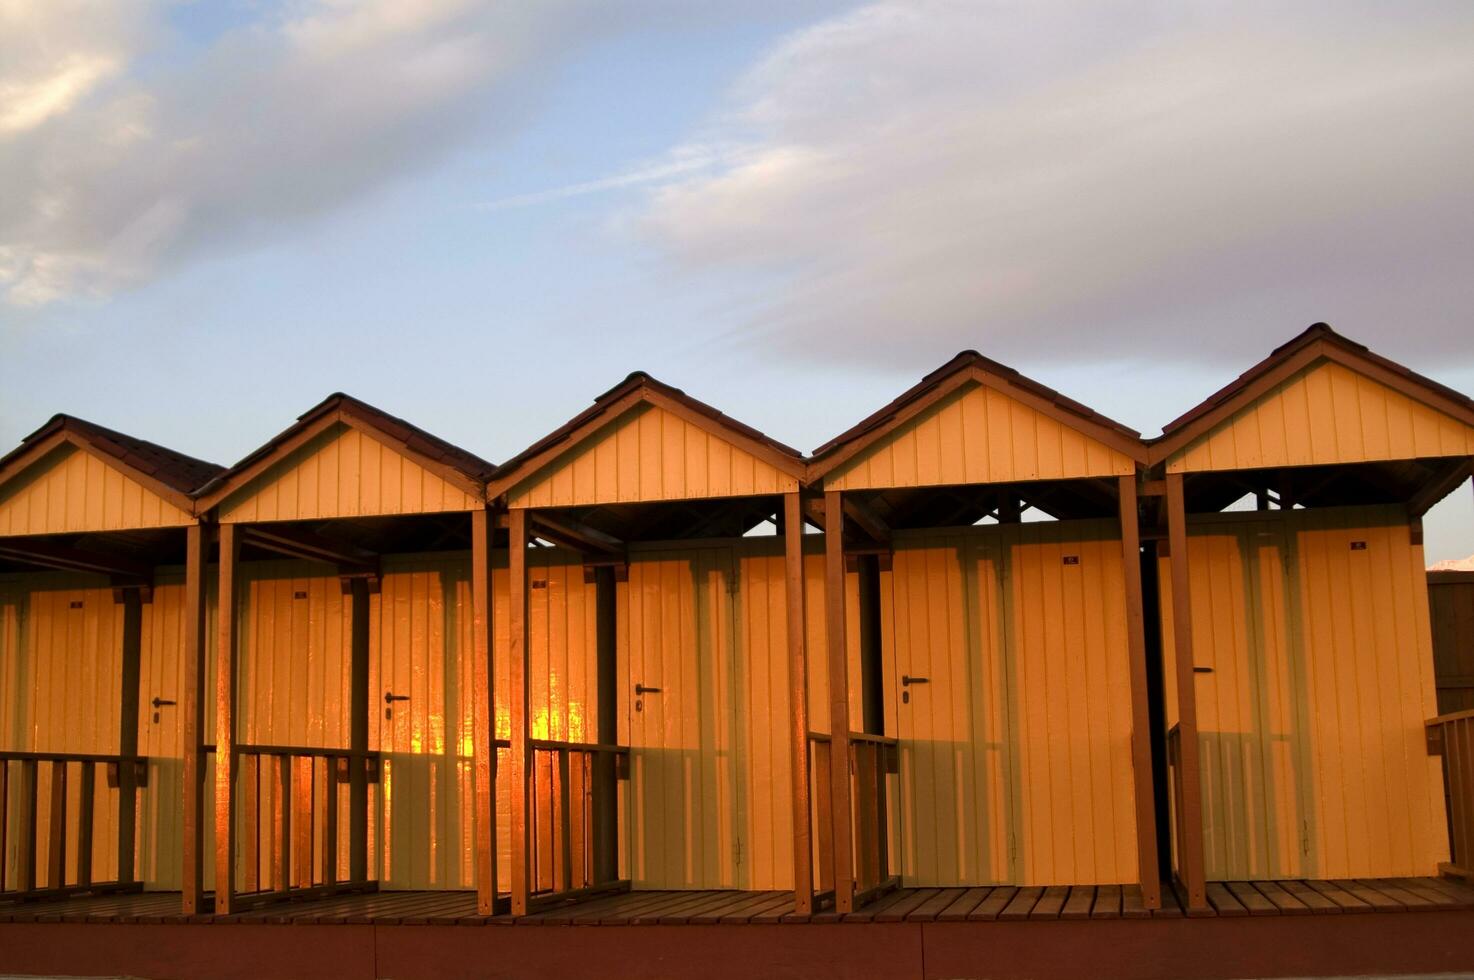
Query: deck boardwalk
[[1255, 928], [981, 904]]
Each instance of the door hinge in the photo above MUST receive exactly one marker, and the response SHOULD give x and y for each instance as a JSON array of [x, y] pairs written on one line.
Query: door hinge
[[737, 851]]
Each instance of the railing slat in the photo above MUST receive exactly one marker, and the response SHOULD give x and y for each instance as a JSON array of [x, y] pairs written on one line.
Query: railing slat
[[303, 824], [56, 873], [329, 872], [249, 774], [4, 818], [84, 825], [30, 786], [565, 822], [824, 832], [281, 822]]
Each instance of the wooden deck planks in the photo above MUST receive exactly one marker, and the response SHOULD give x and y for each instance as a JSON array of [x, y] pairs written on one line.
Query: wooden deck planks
[[1050, 903], [1251, 898], [928, 910], [992, 906], [1022, 905], [960, 909], [909, 905], [1108, 902], [1079, 904]]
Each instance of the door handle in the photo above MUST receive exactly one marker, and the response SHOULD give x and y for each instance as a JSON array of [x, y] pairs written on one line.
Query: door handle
[[159, 702], [390, 697], [641, 689], [907, 680]]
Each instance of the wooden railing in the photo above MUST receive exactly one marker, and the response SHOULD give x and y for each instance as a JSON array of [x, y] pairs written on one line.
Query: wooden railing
[[872, 759], [573, 818], [1452, 737], [21, 834], [291, 850], [1179, 809]]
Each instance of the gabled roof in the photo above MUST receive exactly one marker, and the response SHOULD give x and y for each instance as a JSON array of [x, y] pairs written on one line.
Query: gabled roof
[[173, 475], [971, 366], [637, 389], [465, 469], [1317, 342]]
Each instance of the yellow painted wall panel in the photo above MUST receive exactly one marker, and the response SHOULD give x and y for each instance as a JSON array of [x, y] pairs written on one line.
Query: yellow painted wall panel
[[1325, 414], [71, 490], [978, 435], [343, 472], [1016, 751], [649, 453], [60, 663], [1315, 626]]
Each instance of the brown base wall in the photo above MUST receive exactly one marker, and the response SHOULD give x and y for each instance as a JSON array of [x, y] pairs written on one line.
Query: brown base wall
[[1205, 948]]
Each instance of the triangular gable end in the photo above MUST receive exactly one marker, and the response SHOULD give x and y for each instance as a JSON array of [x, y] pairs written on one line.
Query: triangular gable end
[[67, 487], [1327, 412], [344, 470], [979, 432], [651, 451]]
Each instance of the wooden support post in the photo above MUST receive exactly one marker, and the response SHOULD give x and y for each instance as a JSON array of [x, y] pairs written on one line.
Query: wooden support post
[[358, 729], [798, 703], [128, 731], [839, 701], [605, 776], [1141, 736], [517, 699], [225, 631], [483, 729], [192, 713], [1190, 843]]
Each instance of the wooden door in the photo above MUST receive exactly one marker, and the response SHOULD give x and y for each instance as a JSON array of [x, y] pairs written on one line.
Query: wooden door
[[1251, 701], [948, 691], [419, 704], [685, 747]]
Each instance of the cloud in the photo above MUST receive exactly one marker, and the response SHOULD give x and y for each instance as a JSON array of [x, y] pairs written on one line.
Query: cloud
[[1049, 179], [127, 148]]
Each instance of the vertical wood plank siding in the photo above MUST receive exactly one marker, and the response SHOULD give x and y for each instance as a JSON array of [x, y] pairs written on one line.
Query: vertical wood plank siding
[[72, 490], [1311, 719], [1325, 414], [343, 472], [978, 435], [60, 663], [650, 454], [1015, 751]]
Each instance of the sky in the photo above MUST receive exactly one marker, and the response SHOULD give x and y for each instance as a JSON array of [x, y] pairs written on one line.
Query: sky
[[479, 215]]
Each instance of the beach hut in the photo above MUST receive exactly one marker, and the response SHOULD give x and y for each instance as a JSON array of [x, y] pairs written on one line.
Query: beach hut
[[1005, 655], [1297, 656], [705, 700], [93, 526]]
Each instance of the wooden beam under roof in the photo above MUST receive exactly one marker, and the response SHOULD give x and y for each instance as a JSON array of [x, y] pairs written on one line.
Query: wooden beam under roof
[[868, 521], [299, 542], [62, 557], [575, 534], [1444, 481]]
